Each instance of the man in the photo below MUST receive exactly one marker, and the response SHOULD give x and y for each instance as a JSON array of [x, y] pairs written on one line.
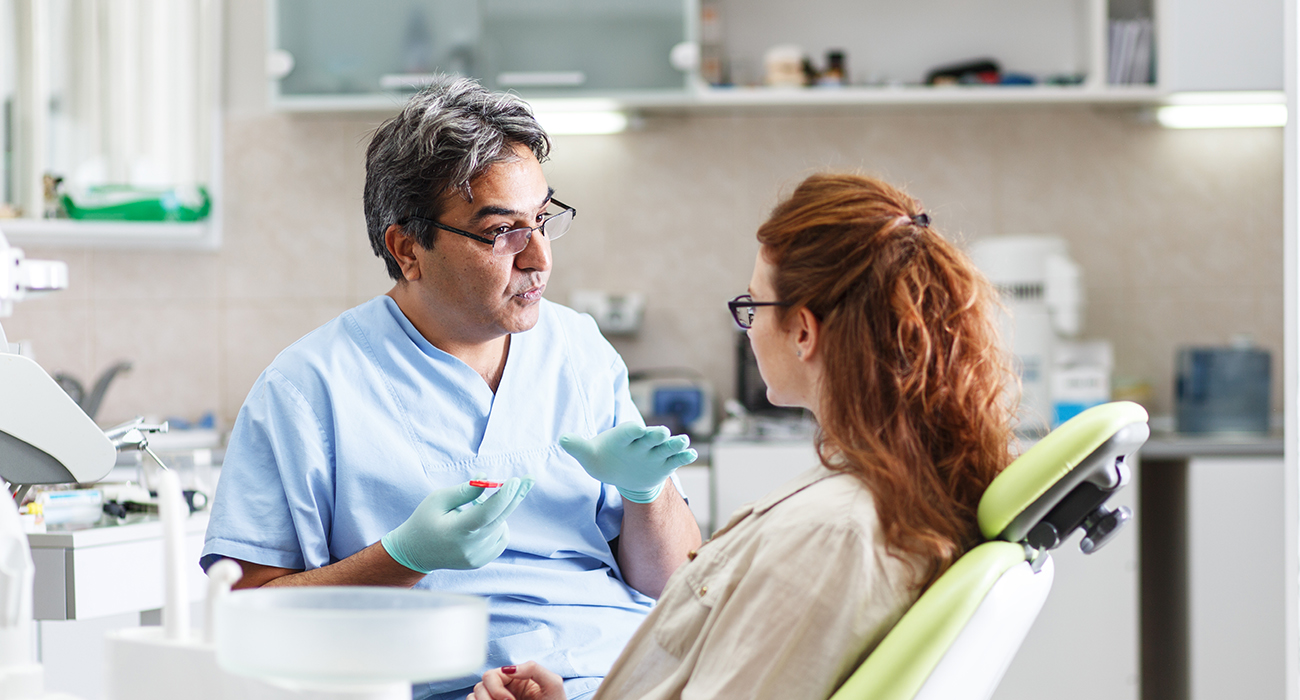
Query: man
[[351, 459]]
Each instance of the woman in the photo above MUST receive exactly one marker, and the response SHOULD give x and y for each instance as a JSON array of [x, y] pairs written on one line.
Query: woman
[[860, 313]]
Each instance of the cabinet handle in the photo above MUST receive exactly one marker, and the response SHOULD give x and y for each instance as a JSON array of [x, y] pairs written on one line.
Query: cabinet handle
[[279, 63], [685, 56], [568, 78]]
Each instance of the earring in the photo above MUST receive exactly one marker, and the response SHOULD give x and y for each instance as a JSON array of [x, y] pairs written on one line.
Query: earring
[[798, 353]]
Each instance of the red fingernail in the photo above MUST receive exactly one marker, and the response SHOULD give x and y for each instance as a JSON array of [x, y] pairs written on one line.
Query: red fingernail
[[486, 485], [509, 670]]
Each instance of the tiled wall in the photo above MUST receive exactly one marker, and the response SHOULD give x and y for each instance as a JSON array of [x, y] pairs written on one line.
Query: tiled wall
[[1179, 233]]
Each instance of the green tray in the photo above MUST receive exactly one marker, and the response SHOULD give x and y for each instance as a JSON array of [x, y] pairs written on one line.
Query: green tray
[[123, 203]]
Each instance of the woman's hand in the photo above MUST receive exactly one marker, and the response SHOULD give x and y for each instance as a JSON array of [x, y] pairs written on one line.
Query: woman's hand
[[527, 681]]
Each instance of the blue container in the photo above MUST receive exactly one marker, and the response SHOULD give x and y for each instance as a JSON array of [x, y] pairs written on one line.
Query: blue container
[[1222, 390]]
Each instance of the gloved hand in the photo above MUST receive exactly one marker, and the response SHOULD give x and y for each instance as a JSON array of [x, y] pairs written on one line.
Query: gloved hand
[[440, 534], [632, 457]]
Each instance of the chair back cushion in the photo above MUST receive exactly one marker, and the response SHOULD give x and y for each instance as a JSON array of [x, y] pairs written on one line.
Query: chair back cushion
[[981, 654], [903, 662]]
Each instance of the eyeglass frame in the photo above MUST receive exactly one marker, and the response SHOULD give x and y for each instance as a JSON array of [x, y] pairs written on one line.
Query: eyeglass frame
[[493, 240], [735, 305]]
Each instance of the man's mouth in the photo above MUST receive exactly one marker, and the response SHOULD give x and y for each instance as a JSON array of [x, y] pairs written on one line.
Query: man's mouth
[[532, 293]]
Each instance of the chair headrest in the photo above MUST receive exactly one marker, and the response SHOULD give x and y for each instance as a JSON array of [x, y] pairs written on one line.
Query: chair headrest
[[1067, 475]]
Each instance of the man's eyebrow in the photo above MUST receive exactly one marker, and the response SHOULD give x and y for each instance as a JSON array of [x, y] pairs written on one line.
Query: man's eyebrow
[[491, 210]]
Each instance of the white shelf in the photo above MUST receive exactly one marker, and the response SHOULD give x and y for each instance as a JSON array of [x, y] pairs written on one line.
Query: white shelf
[[760, 98], [926, 95], [200, 235]]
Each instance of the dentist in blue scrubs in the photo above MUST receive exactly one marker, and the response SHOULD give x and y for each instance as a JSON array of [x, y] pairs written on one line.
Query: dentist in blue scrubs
[[351, 459]]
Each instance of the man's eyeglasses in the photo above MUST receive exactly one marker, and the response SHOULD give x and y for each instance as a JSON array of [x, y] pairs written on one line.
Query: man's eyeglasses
[[515, 240], [743, 306]]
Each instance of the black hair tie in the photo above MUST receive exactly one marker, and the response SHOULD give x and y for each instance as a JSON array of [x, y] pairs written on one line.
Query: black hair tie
[[922, 220]]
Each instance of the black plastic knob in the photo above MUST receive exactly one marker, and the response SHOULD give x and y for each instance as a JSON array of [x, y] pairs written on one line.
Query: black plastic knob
[[1101, 526]]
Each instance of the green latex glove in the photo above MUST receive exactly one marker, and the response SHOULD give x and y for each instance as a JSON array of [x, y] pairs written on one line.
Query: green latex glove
[[632, 457], [448, 530]]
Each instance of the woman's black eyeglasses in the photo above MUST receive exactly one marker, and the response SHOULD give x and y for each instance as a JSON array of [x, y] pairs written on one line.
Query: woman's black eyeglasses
[[742, 309]]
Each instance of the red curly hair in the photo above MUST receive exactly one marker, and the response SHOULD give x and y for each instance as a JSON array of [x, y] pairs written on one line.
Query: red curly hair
[[914, 402]]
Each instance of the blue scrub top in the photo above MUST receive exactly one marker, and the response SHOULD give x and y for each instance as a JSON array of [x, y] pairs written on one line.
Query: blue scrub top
[[352, 426]]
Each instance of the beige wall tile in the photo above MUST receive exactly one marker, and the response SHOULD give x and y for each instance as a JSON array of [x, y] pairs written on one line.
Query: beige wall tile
[[59, 330], [129, 280], [294, 193], [1178, 233], [252, 335], [173, 349]]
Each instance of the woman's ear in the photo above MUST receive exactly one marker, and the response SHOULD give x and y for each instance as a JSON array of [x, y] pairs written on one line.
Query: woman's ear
[[402, 247], [805, 332]]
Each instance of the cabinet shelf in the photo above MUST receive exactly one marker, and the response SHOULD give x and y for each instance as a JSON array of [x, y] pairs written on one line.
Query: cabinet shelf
[[923, 95], [759, 98], [198, 235]]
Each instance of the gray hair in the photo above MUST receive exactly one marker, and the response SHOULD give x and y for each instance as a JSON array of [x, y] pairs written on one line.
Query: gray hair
[[447, 135]]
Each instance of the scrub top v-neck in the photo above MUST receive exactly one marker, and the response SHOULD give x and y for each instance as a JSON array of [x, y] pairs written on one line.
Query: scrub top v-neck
[[352, 426]]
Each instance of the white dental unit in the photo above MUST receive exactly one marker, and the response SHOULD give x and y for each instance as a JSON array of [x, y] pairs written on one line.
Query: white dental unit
[[45, 438], [341, 643]]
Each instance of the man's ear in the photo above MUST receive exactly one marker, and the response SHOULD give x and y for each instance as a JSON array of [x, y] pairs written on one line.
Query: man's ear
[[806, 331], [402, 247]]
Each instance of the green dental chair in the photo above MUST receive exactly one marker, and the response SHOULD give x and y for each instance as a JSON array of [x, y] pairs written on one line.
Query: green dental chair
[[957, 640]]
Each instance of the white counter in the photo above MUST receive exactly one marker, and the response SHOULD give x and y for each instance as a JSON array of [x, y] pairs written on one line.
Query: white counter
[[110, 570]]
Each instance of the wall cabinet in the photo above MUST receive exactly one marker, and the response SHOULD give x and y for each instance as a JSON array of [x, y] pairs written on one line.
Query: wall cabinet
[[332, 54], [342, 54], [117, 102]]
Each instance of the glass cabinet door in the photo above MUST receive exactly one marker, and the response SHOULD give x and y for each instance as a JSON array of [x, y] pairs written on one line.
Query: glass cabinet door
[[9, 194], [109, 121], [340, 48], [599, 45], [344, 47]]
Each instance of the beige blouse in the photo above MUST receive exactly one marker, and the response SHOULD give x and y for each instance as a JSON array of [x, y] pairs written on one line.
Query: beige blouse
[[784, 602]]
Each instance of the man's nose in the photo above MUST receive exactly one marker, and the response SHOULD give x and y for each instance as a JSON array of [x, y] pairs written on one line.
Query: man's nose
[[536, 255]]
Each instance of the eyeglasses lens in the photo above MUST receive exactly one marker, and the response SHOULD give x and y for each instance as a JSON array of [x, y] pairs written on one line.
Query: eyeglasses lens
[[558, 225], [512, 242], [744, 315]]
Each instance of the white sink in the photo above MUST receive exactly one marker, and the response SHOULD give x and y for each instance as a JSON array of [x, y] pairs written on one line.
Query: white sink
[[350, 635]]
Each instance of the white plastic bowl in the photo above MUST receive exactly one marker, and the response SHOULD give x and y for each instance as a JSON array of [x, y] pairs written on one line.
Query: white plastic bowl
[[351, 635]]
